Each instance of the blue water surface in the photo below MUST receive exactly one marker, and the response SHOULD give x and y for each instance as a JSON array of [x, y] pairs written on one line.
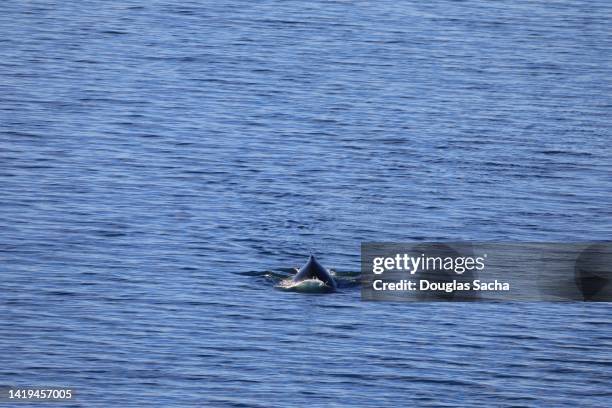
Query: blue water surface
[[159, 161]]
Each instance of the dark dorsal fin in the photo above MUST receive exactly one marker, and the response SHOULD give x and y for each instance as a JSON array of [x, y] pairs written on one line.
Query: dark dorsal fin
[[314, 270]]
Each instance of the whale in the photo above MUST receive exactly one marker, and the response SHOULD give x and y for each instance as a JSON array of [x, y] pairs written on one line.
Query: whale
[[314, 270]]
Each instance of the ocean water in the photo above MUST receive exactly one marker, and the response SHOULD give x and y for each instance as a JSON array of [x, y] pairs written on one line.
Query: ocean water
[[163, 164]]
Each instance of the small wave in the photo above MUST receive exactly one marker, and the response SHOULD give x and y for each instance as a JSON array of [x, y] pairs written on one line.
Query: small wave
[[305, 286], [282, 279]]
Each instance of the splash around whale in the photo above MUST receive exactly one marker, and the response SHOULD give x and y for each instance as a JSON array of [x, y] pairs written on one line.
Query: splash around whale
[[311, 278]]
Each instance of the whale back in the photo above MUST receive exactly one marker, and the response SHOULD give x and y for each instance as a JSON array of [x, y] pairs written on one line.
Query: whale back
[[314, 270]]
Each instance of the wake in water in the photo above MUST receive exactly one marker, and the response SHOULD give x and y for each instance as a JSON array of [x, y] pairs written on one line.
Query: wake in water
[[282, 279], [305, 286]]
